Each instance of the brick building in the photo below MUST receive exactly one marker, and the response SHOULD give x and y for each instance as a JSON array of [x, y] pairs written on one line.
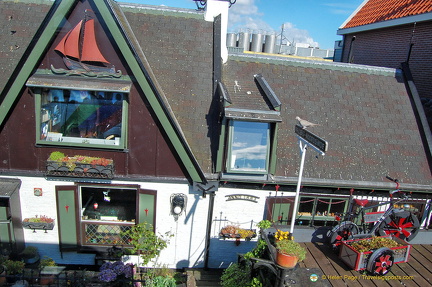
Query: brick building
[[387, 33]]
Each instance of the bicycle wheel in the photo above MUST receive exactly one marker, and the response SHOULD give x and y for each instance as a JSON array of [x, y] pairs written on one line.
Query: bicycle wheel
[[380, 261], [404, 225], [342, 232]]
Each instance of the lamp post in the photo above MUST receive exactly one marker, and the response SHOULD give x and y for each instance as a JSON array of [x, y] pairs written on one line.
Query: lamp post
[[305, 139]]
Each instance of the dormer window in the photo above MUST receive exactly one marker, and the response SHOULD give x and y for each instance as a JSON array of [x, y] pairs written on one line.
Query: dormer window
[[249, 147], [249, 129]]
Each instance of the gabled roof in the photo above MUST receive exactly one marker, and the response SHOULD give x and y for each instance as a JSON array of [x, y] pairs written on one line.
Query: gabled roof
[[129, 46], [375, 11]]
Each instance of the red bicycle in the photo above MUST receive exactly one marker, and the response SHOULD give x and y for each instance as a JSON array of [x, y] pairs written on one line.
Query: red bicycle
[[394, 221]]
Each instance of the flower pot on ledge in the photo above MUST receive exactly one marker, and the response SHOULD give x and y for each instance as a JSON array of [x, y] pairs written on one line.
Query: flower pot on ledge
[[38, 225], [77, 169]]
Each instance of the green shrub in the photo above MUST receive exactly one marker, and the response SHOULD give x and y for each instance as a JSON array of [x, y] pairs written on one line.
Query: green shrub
[[237, 275]]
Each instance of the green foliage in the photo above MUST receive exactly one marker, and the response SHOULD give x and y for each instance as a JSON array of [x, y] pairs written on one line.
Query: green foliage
[[145, 241], [236, 275], [14, 267], [264, 224], [256, 283], [258, 251], [161, 281], [290, 247], [46, 261], [29, 252], [41, 218], [56, 156]]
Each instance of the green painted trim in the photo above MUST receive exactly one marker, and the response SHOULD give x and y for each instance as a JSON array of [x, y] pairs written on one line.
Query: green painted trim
[[55, 18], [183, 151], [221, 146], [57, 15], [273, 151]]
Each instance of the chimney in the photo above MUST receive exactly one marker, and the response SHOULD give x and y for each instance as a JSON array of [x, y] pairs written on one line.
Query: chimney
[[213, 9]]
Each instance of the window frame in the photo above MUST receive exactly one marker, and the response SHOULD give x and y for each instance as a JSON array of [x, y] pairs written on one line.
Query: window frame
[[229, 148], [69, 212], [122, 144]]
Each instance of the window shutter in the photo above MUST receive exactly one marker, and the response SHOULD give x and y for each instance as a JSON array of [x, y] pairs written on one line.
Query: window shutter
[[5, 226], [147, 206], [67, 217]]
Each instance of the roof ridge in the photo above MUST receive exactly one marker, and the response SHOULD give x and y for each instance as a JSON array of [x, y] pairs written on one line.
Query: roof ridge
[[337, 66]]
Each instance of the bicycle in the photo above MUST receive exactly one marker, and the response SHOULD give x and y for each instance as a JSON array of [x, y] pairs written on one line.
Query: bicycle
[[394, 221]]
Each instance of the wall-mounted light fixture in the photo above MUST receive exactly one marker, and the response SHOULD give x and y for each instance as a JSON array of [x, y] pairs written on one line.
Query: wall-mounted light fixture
[[178, 204]]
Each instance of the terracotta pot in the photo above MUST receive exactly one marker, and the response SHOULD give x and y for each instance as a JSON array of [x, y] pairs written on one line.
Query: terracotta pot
[[286, 261]]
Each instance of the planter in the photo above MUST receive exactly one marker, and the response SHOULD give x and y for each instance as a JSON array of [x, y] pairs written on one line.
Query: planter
[[286, 261], [246, 234], [38, 225], [376, 261], [77, 169]]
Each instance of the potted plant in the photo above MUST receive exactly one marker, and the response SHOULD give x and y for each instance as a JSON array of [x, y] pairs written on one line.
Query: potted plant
[[39, 222], [59, 164], [145, 242], [30, 255], [14, 268], [232, 231], [115, 272], [289, 253], [48, 270]]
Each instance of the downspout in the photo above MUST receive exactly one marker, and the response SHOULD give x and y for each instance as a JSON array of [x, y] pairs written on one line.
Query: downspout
[[209, 227], [424, 128]]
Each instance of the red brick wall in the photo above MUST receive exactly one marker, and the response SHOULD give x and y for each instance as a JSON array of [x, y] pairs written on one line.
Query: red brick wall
[[389, 47]]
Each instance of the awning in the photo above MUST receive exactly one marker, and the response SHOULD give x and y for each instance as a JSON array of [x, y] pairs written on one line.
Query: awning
[[8, 186], [253, 115]]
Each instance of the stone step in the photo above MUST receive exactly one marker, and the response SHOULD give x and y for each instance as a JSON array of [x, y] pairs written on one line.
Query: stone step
[[204, 278]]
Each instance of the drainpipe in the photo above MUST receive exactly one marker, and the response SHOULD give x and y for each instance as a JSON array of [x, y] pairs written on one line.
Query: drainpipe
[[209, 227]]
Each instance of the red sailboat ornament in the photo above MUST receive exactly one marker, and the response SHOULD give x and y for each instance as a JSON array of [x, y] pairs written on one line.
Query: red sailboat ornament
[[81, 53]]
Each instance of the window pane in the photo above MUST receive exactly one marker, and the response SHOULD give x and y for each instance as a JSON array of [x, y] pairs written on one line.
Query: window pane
[[249, 146], [81, 116], [108, 204]]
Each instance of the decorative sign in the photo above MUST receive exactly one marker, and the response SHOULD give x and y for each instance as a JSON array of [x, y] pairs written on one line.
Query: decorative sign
[[242, 197], [311, 138], [37, 191]]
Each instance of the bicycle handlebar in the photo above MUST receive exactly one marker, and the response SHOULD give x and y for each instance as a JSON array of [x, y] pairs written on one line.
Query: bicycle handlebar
[[395, 180]]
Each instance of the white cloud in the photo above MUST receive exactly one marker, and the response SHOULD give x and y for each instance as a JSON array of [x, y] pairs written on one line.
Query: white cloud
[[295, 35], [245, 15]]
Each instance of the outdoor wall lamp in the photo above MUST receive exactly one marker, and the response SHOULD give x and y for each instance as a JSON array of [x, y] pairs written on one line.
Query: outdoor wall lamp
[[178, 204]]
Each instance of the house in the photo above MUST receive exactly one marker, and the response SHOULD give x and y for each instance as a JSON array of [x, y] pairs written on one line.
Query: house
[[200, 139], [389, 33]]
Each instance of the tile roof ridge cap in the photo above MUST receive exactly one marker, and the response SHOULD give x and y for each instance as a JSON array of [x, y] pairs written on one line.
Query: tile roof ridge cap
[[322, 64], [159, 8]]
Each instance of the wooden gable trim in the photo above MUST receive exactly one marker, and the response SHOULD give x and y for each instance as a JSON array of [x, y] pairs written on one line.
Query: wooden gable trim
[[36, 49], [47, 33]]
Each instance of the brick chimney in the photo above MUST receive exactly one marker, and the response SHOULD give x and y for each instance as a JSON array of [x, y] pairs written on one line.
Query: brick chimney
[[213, 9]]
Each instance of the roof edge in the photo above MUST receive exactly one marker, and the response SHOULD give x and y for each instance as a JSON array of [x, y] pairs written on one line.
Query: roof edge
[[336, 66], [386, 24]]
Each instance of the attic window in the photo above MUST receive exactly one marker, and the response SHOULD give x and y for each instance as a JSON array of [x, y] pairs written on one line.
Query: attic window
[[80, 111], [249, 147], [89, 118]]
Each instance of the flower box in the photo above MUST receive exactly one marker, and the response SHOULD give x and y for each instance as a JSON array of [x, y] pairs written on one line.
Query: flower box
[[359, 260], [77, 169], [37, 225], [237, 233]]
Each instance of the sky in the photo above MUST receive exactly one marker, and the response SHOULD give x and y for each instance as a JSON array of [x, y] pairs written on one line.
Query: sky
[[314, 22]]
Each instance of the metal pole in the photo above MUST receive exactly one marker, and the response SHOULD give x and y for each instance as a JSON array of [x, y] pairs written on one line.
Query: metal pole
[[303, 155]]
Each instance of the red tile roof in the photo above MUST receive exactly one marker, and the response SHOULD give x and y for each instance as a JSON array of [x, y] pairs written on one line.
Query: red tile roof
[[381, 10]]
